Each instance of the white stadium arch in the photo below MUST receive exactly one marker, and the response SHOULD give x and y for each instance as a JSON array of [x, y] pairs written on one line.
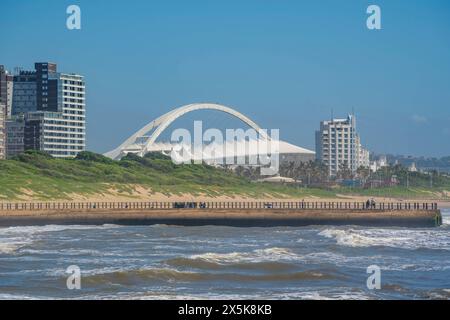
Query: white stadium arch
[[161, 123], [134, 143]]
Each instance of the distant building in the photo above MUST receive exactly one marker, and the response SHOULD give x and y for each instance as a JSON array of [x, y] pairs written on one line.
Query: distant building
[[363, 155], [412, 167], [47, 111], [376, 165], [279, 179], [338, 145]]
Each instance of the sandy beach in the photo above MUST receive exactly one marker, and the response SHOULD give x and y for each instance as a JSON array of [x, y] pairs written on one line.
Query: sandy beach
[[142, 194]]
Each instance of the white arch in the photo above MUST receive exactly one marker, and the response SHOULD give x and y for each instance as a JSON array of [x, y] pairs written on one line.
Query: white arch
[[165, 120]]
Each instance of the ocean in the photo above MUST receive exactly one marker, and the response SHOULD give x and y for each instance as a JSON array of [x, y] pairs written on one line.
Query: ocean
[[212, 262]]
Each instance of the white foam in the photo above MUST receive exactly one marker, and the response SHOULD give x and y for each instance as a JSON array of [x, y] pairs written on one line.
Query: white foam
[[51, 228], [434, 238], [258, 255], [10, 245], [59, 272], [6, 296], [8, 248], [14, 238], [306, 294], [446, 219]]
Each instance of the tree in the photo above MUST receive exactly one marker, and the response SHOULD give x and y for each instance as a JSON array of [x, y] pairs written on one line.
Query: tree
[[344, 171], [363, 173]]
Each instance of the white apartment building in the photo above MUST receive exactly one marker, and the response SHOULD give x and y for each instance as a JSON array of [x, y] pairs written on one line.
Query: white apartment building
[[363, 159], [69, 132], [338, 145]]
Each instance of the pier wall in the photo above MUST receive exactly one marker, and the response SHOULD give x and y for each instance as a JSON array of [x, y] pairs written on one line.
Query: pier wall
[[257, 214]]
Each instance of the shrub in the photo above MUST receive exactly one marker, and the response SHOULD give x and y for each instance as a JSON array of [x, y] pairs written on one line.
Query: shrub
[[94, 157]]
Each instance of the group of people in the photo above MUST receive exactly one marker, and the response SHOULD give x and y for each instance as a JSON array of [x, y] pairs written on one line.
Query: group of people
[[370, 204]]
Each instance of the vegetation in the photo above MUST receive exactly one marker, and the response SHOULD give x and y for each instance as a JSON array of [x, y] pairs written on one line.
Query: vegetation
[[390, 181], [37, 175], [397, 181]]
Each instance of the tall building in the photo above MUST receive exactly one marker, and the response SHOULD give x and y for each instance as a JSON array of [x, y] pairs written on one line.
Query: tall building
[[15, 129], [5, 106], [338, 145], [47, 112], [363, 159], [6, 89], [2, 131], [24, 93]]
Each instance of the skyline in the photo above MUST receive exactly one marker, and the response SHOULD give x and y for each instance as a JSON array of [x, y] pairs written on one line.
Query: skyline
[[395, 79]]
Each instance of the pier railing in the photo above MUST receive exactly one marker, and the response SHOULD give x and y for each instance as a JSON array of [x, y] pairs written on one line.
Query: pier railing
[[238, 205]]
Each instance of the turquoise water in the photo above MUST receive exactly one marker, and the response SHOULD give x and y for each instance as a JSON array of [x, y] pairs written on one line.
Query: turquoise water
[[168, 262]]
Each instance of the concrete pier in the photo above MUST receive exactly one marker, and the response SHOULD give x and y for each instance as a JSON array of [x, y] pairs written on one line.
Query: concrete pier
[[253, 214]]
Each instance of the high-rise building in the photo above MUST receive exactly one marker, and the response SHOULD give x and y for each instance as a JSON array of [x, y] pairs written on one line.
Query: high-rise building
[[15, 127], [2, 131], [338, 145], [5, 106], [24, 93], [363, 155], [6, 89], [47, 111]]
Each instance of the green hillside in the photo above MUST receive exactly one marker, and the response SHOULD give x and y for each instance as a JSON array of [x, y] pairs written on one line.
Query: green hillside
[[36, 175], [42, 177]]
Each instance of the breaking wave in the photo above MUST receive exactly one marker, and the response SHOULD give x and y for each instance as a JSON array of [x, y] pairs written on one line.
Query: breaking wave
[[445, 219], [14, 238], [269, 259], [198, 263], [305, 294], [258, 255], [30, 230], [396, 238], [165, 262], [173, 275]]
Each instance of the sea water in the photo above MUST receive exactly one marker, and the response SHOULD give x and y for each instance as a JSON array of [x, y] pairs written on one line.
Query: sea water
[[213, 262]]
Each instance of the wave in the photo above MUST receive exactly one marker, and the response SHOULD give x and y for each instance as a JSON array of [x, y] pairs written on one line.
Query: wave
[[305, 293], [258, 255], [446, 219], [7, 296], [173, 275], [269, 266], [13, 239], [268, 259], [436, 238], [10, 248], [10, 245], [29, 230]]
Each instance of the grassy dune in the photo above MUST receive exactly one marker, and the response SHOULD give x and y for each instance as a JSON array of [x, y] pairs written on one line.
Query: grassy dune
[[35, 175]]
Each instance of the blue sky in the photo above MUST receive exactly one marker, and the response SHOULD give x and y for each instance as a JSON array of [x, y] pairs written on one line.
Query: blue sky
[[285, 64]]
